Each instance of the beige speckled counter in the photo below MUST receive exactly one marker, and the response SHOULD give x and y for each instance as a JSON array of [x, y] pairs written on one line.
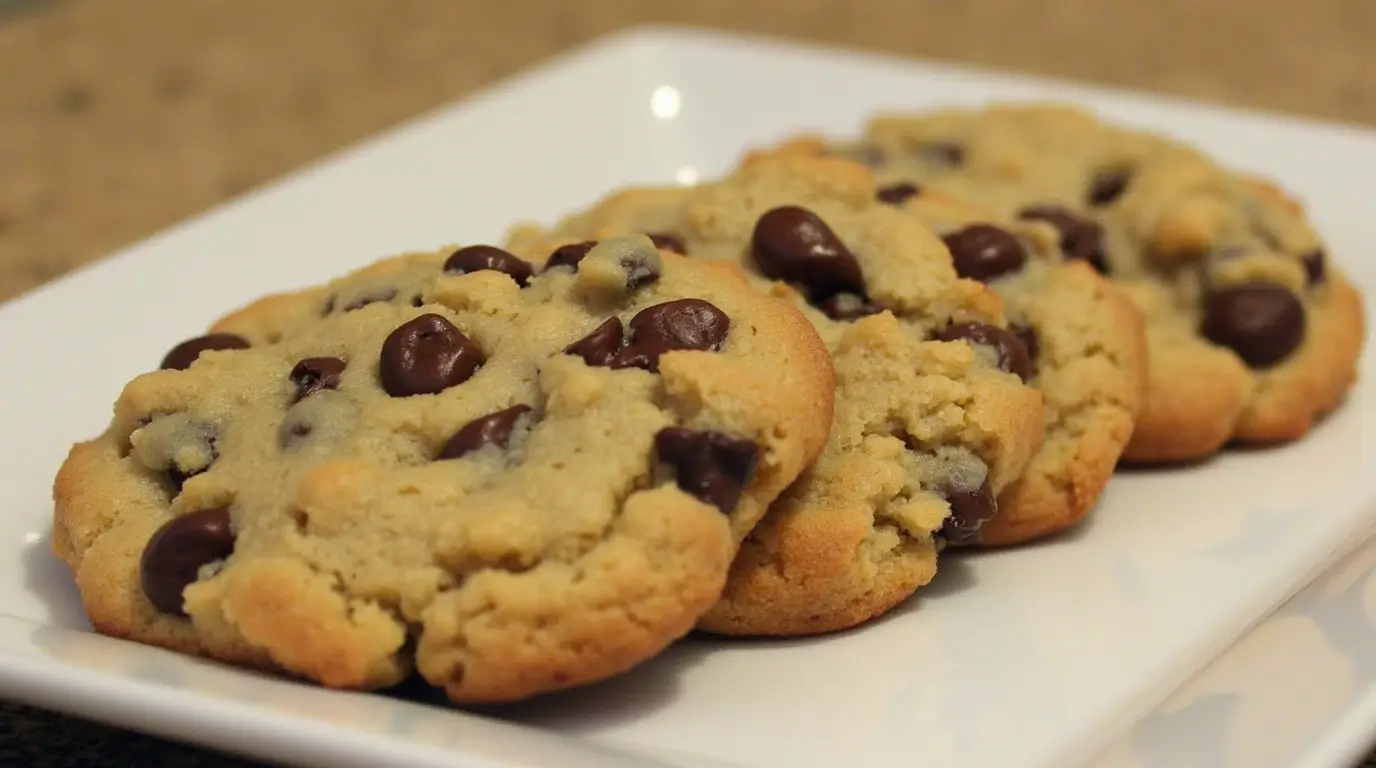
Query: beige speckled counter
[[120, 118]]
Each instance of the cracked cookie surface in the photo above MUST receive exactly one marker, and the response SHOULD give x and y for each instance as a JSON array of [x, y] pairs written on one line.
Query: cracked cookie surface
[[418, 466], [932, 420], [1252, 332]]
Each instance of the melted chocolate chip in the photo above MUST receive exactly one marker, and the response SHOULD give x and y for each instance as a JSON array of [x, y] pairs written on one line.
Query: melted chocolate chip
[[848, 306], [794, 245], [970, 509], [666, 241], [598, 347], [316, 373], [427, 355], [641, 269], [674, 325], [898, 193], [372, 297], [1028, 335], [1262, 323], [710, 466], [492, 429], [1081, 238], [1314, 266], [569, 255], [1107, 186], [184, 354], [1012, 354], [178, 550], [476, 258], [983, 252]]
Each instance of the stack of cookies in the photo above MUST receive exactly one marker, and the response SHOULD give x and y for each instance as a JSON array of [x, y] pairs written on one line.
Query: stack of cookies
[[765, 405]]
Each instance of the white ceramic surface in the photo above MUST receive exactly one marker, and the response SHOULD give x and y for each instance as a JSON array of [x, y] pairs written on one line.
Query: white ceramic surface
[[1044, 656]]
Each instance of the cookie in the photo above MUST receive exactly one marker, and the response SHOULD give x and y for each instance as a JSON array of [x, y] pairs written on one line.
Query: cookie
[[1086, 341], [932, 419], [1253, 333], [510, 483]]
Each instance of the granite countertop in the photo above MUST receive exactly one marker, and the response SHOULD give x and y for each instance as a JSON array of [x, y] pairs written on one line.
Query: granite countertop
[[118, 119]]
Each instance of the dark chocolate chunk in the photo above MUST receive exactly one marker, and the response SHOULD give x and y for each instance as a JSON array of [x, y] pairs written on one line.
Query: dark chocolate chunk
[[1107, 186], [1012, 353], [569, 255], [427, 355], [1028, 335], [794, 245], [1261, 322], [476, 258], [708, 465], [970, 509], [492, 429], [674, 325], [1081, 238], [178, 550], [897, 193], [983, 252], [184, 354], [598, 347], [316, 373]]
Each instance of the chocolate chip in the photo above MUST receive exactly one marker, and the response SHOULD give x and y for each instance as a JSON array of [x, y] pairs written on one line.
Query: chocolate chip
[[598, 347], [417, 301], [475, 258], [666, 241], [492, 429], [372, 297], [970, 509], [641, 269], [848, 306], [184, 354], [1314, 266], [708, 465], [897, 193], [427, 355], [316, 373], [674, 325], [174, 556], [569, 255], [943, 152], [1028, 335], [983, 252], [794, 245], [1011, 352], [1262, 323], [1081, 238], [1107, 186]]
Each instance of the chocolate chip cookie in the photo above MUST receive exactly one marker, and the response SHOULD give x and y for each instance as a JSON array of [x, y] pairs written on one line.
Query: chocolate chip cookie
[[933, 418], [1252, 332], [509, 482], [1086, 344]]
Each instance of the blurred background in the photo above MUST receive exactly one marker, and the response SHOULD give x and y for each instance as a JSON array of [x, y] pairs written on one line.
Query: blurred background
[[119, 118]]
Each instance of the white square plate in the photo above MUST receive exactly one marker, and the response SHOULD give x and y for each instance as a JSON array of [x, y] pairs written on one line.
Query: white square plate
[[1045, 656]]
